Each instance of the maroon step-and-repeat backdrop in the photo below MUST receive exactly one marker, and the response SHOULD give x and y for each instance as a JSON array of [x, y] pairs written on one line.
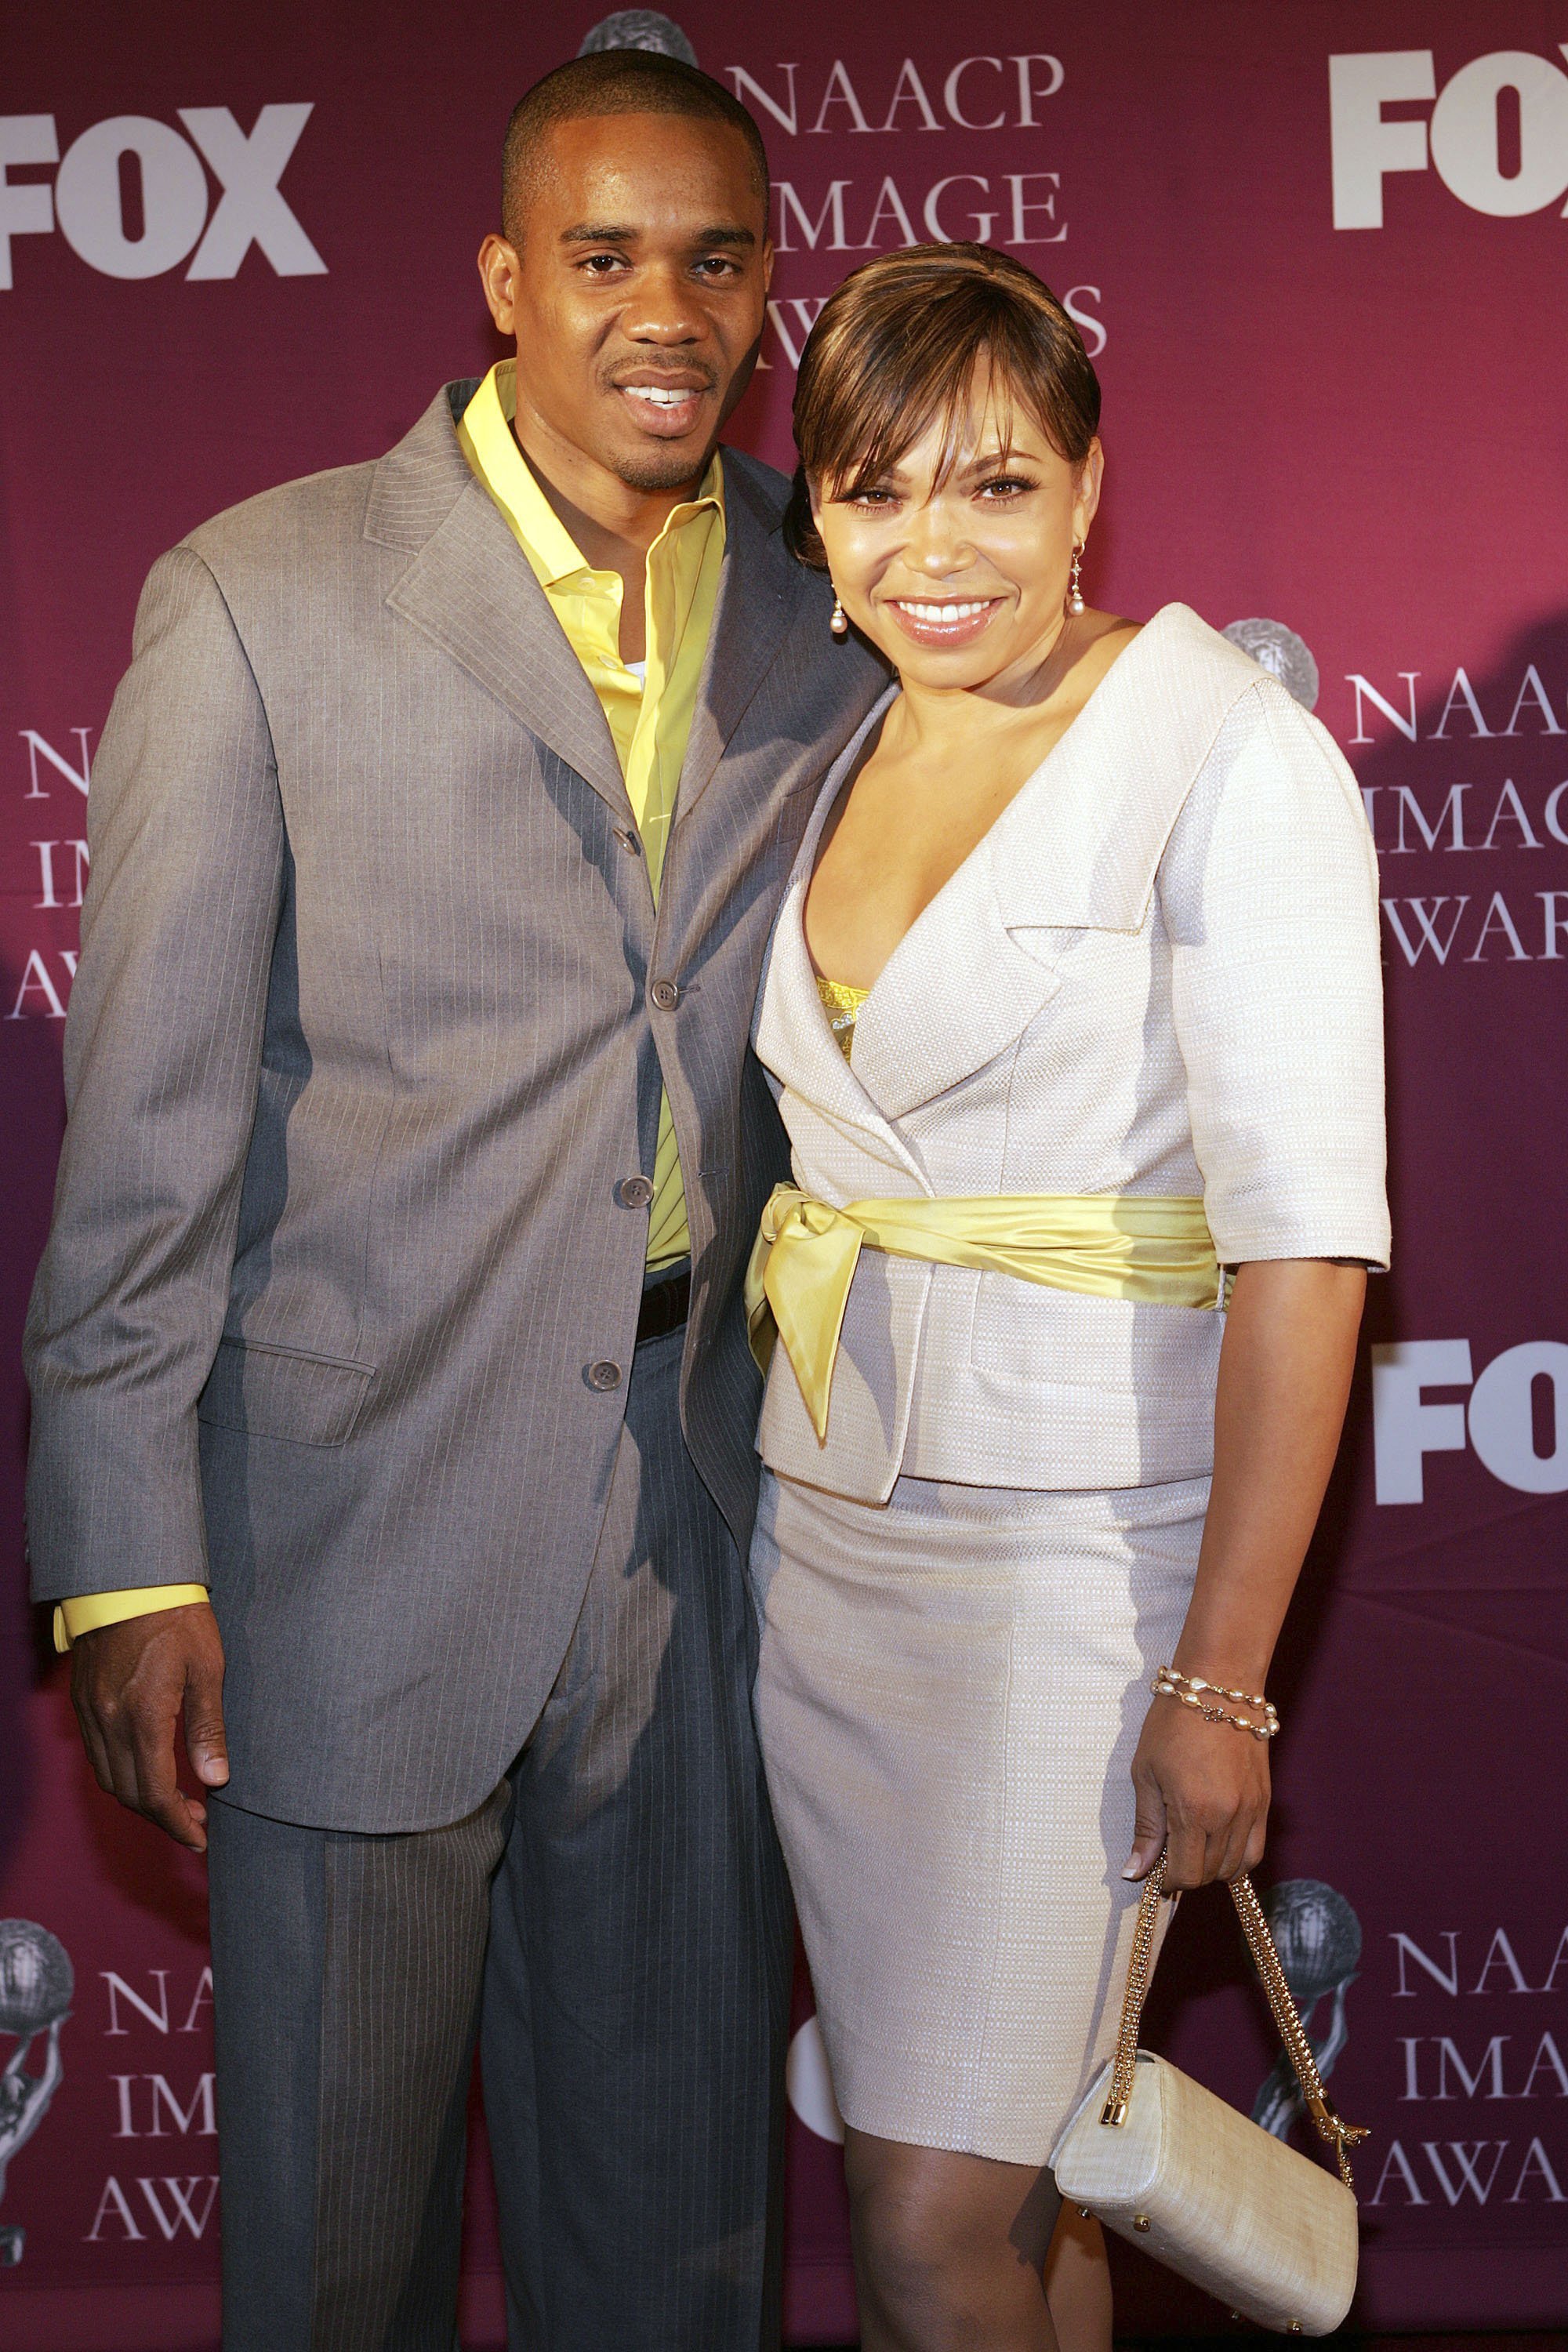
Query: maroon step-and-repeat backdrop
[[1320, 256]]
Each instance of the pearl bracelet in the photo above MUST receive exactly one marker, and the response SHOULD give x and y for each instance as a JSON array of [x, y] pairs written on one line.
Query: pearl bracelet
[[1189, 1688]]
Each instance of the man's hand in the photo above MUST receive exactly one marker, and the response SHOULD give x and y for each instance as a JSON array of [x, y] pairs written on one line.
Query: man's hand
[[130, 1685]]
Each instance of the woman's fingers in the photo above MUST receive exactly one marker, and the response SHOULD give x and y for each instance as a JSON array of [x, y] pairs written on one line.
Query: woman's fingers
[[1251, 1837], [1200, 1790], [1248, 1824], [1186, 1856], [1237, 1847], [1210, 1840], [1148, 1825], [1256, 1839], [1231, 1860]]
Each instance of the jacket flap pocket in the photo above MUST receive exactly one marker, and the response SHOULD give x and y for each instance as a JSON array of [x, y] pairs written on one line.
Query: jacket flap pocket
[[273, 1393]]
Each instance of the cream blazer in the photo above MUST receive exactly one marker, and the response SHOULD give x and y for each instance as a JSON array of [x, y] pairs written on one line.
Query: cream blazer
[[1158, 973]]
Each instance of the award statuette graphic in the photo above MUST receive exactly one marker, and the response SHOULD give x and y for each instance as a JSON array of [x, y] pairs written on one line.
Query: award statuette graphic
[[1282, 653], [1318, 1938], [638, 29], [37, 1982]]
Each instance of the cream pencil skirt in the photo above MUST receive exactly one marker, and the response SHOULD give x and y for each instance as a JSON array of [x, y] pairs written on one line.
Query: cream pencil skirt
[[950, 1690]]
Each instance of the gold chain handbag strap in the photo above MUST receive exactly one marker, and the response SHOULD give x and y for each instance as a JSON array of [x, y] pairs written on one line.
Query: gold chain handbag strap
[[1340, 2136]]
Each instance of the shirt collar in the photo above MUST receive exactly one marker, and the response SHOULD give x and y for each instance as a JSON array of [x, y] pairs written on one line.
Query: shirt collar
[[492, 451]]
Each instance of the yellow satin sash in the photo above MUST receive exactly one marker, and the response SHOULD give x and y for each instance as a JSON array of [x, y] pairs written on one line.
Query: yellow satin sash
[[1154, 1248]]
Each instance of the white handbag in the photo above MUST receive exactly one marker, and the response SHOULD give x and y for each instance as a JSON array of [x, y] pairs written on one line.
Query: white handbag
[[1205, 2191]]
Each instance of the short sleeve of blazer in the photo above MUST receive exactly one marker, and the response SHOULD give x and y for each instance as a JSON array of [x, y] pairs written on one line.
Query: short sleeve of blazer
[[1268, 891]]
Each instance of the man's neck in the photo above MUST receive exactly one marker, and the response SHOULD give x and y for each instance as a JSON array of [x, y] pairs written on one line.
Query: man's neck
[[612, 523]]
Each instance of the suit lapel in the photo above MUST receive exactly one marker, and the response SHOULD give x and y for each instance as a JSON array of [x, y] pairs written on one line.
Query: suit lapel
[[757, 592], [471, 591]]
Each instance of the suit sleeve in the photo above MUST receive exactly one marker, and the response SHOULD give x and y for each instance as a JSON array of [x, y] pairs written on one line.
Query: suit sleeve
[[1268, 888], [162, 1054]]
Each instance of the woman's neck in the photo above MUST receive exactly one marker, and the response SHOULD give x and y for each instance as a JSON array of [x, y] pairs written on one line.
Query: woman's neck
[[933, 721]]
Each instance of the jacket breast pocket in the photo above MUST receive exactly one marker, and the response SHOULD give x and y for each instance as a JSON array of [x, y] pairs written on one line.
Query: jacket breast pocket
[[267, 1392]]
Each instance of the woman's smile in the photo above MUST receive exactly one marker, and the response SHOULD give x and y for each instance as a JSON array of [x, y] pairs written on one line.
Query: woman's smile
[[940, 621]]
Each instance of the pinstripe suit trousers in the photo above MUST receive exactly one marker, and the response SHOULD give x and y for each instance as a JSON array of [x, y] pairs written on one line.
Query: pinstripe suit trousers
[[611, 1923]]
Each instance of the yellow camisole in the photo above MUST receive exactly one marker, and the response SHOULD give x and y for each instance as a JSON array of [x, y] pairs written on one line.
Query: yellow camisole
[[841, 1002]]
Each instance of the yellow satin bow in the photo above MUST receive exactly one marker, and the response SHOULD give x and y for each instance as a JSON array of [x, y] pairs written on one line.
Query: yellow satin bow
[[1154, 1248]]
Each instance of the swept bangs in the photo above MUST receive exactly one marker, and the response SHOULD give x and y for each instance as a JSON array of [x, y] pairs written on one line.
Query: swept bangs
[[895, 348]]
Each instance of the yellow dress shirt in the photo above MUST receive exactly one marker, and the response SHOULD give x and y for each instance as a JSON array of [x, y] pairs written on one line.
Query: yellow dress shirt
[[649, 718]]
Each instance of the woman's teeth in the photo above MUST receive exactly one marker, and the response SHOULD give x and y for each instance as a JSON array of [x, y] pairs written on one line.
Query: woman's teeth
[[938, 613]]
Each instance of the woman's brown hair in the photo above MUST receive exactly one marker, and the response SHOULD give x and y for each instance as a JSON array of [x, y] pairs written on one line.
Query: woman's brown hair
[[896, 346]]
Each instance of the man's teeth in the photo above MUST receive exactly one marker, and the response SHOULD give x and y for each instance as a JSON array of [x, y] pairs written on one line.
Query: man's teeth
[[940, 613], [661, 396]]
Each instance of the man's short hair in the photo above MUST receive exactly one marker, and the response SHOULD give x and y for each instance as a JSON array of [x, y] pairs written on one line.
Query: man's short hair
[[612, 81]]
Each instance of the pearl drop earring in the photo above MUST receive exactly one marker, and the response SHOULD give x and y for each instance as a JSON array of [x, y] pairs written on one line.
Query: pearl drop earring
[[839, 621], [1075, 594]]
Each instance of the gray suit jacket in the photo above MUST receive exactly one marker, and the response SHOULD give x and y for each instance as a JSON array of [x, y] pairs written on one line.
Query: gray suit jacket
[[363, 1040]]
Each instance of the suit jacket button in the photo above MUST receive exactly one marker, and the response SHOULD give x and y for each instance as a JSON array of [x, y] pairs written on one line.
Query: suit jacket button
[[665, 994], [634, 1192], [628, 841], [603, 1376]]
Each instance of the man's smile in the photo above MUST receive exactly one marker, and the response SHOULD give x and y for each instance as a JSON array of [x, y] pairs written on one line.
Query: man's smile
[[666, 405]]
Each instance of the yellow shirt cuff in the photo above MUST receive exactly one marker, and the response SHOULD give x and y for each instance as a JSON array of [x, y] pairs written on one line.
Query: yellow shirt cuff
[[73, 1618]]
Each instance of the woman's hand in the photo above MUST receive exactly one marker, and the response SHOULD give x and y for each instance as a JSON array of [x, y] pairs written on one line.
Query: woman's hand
[[1201, 1790], [1284, 1374]]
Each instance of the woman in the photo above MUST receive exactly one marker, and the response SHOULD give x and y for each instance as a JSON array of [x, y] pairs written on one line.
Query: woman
[[1073, 1003]]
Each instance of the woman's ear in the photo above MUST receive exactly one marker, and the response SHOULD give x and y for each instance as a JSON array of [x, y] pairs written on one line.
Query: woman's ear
[[1085, 505]]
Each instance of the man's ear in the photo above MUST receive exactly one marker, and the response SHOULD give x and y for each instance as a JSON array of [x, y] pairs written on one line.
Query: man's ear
[[767, 264], [498, 267]]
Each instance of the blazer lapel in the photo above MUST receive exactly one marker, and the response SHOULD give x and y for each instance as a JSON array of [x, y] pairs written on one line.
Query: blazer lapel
[[1078, 847], [758, 591], [791, 1036], [955, 992], [472, 592]]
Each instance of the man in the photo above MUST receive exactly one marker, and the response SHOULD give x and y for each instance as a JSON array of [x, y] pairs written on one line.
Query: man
[[437, 831]]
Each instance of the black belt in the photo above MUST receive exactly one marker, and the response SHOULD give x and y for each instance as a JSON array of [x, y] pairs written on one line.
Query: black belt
[[665, 1305]]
